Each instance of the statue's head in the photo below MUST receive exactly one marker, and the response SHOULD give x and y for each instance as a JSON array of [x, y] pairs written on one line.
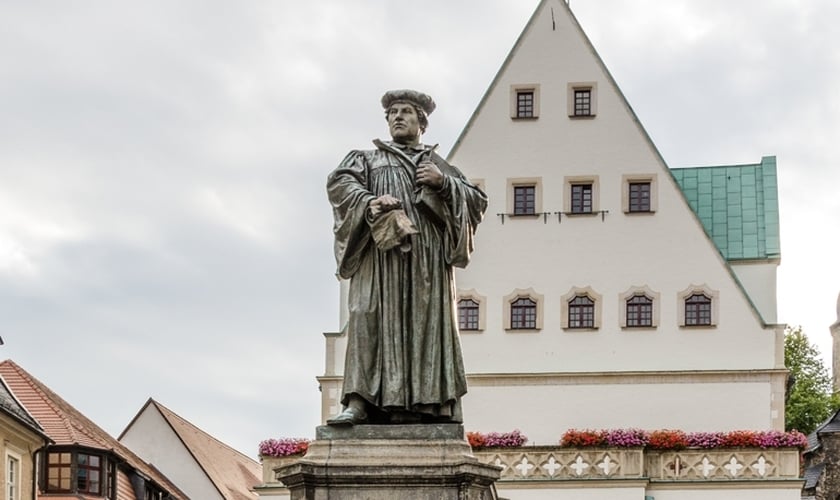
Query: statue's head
[[407, 113]]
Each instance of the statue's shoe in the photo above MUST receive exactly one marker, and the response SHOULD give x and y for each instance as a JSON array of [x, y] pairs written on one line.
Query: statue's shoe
[[350, 416]]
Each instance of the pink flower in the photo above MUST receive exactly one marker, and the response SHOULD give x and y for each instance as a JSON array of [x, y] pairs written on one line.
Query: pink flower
[[283, 447]]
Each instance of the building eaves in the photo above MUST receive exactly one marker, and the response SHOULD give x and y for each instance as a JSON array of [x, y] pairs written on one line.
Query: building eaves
[[65, 425], [10, 405], [812, 475]]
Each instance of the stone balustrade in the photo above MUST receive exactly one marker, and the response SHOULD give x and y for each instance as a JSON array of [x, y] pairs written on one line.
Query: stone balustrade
[[549, 463]]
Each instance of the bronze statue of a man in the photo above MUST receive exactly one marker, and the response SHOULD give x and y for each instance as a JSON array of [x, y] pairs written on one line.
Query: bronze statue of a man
[[404, 218]]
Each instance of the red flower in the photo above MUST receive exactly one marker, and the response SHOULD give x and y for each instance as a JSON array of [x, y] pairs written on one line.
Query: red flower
[[668, 439], [476, 440]]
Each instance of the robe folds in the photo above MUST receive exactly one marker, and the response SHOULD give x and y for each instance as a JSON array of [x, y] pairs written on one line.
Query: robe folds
[[403, 350]]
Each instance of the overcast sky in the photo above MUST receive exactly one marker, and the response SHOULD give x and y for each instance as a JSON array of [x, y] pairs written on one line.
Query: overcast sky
[[164, 230]]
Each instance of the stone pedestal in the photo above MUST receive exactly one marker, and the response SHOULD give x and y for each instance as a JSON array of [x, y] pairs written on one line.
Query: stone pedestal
[[388, 462]]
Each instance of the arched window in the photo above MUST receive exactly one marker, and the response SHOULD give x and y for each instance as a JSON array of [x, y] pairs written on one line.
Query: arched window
[[639, 311], [698, 310], [468, 314], [581, 312], [523, 314]]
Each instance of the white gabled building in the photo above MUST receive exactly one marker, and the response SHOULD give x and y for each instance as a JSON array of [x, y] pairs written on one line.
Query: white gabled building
[[202, 466], [606, 290], [555, 137]]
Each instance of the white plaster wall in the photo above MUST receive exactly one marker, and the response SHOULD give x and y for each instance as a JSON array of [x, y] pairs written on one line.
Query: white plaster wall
[[612, 493], [759, 279], [153, 440], [667, 251], [544, 412], [791, 492]]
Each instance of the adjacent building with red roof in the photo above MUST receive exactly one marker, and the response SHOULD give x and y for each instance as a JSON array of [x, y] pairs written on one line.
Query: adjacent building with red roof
[[74, 457]]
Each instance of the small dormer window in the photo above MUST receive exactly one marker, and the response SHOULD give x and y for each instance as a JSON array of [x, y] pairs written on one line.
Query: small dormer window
[[79, 471]]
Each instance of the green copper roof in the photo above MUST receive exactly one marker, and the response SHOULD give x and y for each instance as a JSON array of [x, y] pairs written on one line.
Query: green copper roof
[[738, 206]]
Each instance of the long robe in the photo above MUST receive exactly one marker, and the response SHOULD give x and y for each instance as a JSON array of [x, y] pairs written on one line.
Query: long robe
[[403, 351]]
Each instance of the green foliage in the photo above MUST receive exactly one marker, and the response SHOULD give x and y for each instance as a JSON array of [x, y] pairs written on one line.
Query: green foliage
[[810, 398]]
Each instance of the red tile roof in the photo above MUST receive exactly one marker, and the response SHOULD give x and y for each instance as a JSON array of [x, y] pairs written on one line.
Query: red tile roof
[[65, 425]]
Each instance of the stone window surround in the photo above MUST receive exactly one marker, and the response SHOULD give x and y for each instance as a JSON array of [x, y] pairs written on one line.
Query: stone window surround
[[519, 293], [714, 295], [525, 181], [515, 89], [626, 180], [581, 179], [627, 295], [592, 87], [481, 300], [577, 291]]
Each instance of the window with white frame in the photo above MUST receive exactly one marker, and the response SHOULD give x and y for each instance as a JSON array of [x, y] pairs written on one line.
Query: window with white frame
[[13, 477]]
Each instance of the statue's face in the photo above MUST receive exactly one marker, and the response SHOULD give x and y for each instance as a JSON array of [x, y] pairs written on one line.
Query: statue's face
[[403, 123]]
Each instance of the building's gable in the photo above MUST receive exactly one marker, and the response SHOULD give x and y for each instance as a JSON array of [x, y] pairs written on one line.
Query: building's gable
[[151, 436], [612, 251], [202, 465], [580, 243]]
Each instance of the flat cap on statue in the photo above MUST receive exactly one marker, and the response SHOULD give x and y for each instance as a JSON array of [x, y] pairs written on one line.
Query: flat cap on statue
[[425, 101]]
